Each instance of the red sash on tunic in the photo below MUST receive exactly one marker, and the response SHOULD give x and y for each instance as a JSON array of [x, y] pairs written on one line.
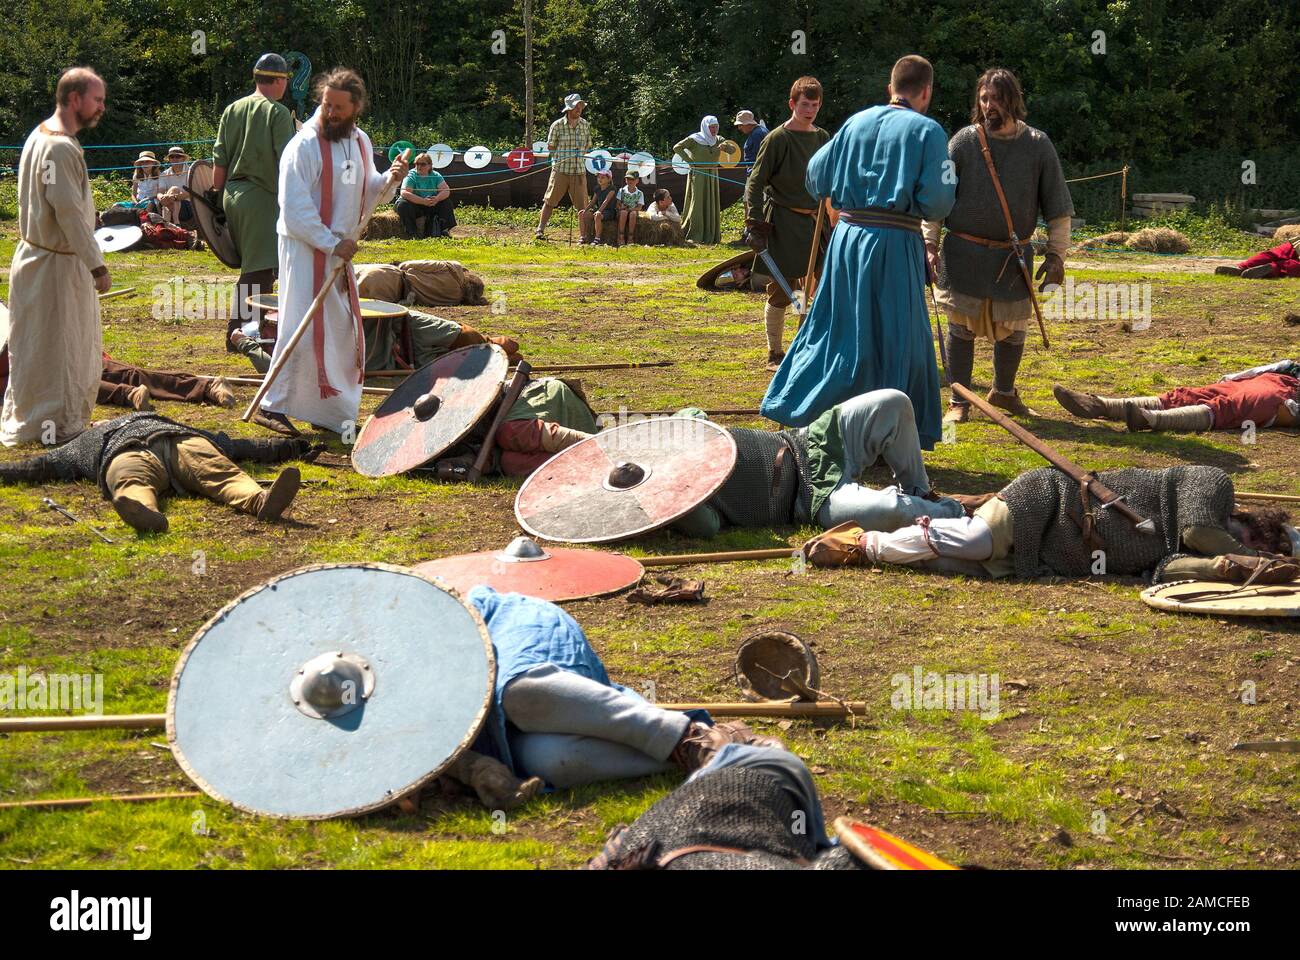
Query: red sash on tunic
[[318, 276]]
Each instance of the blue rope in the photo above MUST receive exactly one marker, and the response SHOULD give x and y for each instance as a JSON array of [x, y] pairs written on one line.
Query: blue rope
[[122, 146]]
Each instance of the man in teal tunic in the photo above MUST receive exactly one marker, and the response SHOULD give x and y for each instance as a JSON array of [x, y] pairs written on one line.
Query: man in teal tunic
[[868, 327], [246, 170]]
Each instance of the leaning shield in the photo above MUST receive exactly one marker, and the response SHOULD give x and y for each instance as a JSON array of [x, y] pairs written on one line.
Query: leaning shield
[[713, 278], [552, 573], [330, 691], [211, 222], [1225, 599], [430, 411], [626, 480]]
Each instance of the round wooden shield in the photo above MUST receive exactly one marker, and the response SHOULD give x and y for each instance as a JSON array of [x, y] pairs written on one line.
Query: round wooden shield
[[626, 480], [476, 158], [430, 411], [212, 225], [400, 147], [551, 573], [330, 691], [370, 309], [441, 155], [117, 239], [728, 154], [884, 851], [1225, 599]]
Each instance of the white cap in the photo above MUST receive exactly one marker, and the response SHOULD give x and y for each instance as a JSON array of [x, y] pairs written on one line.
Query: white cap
[[571, 101]]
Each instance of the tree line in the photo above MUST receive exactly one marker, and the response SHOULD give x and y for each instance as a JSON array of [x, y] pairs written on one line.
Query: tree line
[[1189, 92]]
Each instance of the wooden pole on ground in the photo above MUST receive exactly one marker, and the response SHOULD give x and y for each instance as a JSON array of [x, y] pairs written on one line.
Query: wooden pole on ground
[[1268, 497], [554, 367], [726, 556], [87, 801], [258, 381], [719, 412], [110, 294]]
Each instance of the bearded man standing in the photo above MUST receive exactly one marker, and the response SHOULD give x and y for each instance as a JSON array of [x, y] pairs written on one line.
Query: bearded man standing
[[982, 288], [246, 164], [328, 185], [54, 334]]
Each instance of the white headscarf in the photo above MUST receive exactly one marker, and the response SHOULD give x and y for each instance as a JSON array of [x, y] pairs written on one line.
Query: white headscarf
[[704, 136]]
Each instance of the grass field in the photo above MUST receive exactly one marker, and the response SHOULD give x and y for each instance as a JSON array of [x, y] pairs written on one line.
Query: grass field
[[1110, 749]]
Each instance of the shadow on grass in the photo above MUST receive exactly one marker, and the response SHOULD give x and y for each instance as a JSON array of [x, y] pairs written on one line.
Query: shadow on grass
[[1185, 447]]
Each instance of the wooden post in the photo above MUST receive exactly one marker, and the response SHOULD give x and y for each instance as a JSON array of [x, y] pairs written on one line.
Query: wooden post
[[528, 74], [1123, 196]]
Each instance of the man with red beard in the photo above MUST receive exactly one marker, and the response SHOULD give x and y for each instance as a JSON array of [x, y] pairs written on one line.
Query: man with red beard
[[54, 333], [981, 288], [328, 183]]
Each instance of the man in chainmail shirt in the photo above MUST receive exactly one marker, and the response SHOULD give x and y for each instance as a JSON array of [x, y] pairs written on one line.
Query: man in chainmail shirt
[[980, 286], [1035, 526], [137, 458]]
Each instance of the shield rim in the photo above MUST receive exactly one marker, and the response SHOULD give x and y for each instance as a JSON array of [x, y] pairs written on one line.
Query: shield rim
[[1153, 596], [258, 302], [487, 406], [198, 220], [553, 552], [479, 721], [643, 530], [734, 154]]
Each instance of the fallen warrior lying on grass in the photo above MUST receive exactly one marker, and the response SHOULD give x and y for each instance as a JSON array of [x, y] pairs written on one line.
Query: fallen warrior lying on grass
[[782, 477], [138, 458], [1266, 396], [556, 718], [1035, 527]]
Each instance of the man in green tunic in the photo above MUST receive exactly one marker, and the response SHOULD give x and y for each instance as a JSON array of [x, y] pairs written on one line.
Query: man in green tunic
[[246, 169], [780, 213], [700, 218]]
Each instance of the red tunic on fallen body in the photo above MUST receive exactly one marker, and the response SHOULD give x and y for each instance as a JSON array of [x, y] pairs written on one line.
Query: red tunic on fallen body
[[1257, 399]]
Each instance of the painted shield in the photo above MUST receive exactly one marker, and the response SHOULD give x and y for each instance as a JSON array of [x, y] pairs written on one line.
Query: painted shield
[[441, 155], [554, 574], [370, 309], [728, 154], [644, 164], [211, 223], [599, 161], [430, 411], [401, 147], [680, 166], [1225, 599], [476, 158], [884, 851], [520, 160], [117, 239], [626, 480], [330, 691]]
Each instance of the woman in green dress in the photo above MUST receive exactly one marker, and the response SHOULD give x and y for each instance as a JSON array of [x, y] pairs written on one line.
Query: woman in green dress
[[700, 218]]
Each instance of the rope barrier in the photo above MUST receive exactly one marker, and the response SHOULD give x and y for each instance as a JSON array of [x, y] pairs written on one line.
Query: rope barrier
[[1097, 176], [122, 146]]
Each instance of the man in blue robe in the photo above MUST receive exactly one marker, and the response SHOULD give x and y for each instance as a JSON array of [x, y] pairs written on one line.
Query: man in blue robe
[[868, 327]]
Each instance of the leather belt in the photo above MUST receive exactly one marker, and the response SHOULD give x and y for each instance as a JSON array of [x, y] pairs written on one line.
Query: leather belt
[[38, 246], [786, 206], [984, 241], [878, 217]]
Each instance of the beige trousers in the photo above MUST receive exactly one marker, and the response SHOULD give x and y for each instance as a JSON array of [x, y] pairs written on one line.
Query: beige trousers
[[191, 463]]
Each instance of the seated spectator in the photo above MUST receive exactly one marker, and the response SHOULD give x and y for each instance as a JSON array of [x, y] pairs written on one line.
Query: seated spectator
[[145, 181], [630, 200], [171, 188], [600, 211], [663, 207], [425, 196]]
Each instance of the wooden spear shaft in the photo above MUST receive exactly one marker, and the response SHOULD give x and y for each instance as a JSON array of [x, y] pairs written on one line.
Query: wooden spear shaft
[[1267, 497], [719, 412], [87, 801], [110, 294], [554, 367], [258, 381], [731, 556]]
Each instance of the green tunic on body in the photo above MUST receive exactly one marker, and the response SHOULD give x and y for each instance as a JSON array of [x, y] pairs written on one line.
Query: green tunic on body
[[551, 400], [250, 138], [776, 184], [701, 220]]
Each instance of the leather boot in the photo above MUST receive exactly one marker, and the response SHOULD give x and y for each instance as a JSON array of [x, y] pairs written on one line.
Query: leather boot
[[276, 500], [496, 786], [1011, 403], [138, 516]]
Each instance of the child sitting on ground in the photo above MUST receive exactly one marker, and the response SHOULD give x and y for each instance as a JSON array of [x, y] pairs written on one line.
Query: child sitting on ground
[[600, 210], [663, 207], [630, 202]]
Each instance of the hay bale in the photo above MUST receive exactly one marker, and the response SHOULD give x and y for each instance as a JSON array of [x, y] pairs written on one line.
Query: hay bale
[[384, 225], [1290, 231], [658, 233], [1157, 240], [1116, 238]]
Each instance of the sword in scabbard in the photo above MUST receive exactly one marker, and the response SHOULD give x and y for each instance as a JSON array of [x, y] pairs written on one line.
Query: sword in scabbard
[[1107, 498], [938, 323], [1019, 251]]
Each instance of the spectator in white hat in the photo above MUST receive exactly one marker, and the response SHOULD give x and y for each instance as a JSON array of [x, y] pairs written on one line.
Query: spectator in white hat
[[754, 131], [568, 141]]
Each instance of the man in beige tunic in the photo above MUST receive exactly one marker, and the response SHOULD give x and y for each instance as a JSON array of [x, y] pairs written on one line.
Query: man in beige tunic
[[54, 334]]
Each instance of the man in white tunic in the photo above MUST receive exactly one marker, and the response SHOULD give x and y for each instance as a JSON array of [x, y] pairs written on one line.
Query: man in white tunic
[[328, 183], [54, 333]]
